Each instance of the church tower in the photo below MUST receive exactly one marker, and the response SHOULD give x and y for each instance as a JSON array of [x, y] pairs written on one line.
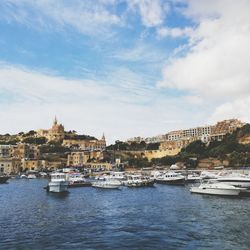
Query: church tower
[[103, 137], [55, 121]]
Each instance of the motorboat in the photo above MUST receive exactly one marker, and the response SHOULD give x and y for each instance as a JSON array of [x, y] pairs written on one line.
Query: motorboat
[[31, 176], [23, 176], [43, 174], [192, 178], [107, 184], [4, 179], [216, 188], [120, 176], [155, 174], [171, 178], [138, 181], [77, 180], [58, 183], [209, 175], [237, 180]]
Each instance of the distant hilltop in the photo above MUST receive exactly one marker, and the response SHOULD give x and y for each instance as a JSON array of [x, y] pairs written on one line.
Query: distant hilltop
[[227, 144], [204, 133]]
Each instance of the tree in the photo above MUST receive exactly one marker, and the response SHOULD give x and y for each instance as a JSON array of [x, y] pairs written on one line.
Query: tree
[[30, 133], [196, 147], [139, 162], [35, 140], [153, 146]]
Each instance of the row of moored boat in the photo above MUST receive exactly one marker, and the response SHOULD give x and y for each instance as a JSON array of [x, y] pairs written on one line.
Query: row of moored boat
[[227, 184]]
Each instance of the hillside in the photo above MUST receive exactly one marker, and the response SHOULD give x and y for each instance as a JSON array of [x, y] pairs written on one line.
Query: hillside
[[233, 151]]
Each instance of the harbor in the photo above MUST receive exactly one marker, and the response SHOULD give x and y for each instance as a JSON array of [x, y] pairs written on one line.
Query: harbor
[[161, 217], [125, 125]]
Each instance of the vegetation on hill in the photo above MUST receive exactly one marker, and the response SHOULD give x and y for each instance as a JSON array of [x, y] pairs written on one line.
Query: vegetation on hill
[[35, 140], [228, 149], [79, 137], [133, 146], [53, 147]]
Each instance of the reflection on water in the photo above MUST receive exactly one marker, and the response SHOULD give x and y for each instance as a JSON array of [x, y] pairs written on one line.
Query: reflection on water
[[164, 217]]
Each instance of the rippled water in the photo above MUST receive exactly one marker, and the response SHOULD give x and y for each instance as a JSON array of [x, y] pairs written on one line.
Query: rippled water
[[163, 217]]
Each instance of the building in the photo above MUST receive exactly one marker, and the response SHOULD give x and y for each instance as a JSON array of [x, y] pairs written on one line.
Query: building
[[85, 144], [225, 127], [137, 139], [206, 133], [156, 139], [33, 164], [25, 151], [55, 133], [10, 166], [5, 151], [80, 158], [99, 166], [175, 135], [198, 133]]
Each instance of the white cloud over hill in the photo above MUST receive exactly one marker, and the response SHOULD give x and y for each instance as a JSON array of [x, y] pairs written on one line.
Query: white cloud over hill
[[217, 64]]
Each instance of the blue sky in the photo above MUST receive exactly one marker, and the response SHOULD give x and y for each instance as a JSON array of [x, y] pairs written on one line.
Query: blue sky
[[123, 67]]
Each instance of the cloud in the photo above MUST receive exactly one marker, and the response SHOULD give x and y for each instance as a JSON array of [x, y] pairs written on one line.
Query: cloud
[[174, 32], [141, 52], [152, 12], [216, 66], [238, 108], [30, 99], [83, 16]]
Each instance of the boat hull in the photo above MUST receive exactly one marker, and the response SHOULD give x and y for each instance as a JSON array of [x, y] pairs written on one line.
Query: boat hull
[[105, 186], [4, 179], [179, 182], [215, 191], [58, 187], [80, 184], [240, 183], [139, 184], [193, 180]]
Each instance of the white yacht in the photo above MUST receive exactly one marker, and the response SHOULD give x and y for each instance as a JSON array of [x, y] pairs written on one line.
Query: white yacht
[[192, 178], [216, 188], [31, 176], [209, 175], [58, 183], [172, 178], [77, 180], [237, 180], [108, 183], [120, 176]]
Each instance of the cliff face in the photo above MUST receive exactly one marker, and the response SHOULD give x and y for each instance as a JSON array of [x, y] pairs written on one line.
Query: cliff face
[[212, 162]]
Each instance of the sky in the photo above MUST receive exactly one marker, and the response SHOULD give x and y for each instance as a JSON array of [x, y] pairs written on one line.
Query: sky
[[123, 67]]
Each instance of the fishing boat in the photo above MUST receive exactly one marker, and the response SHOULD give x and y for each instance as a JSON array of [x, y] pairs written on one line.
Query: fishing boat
[[216, 188], [58, 183]]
